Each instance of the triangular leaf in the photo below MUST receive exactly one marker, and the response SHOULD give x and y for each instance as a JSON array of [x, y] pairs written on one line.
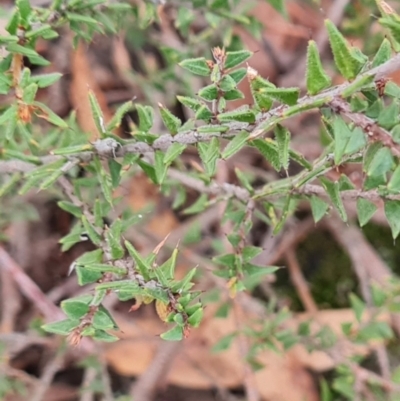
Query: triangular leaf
[[316, 77]]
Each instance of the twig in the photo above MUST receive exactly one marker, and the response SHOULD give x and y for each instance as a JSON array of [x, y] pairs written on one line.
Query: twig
[[29, 288], [109, 148], [145, 387], [88, 378], [250, 385], [299, 282], [10, 302], [374, 132], [105, 377], [365, 262], [48, 374]]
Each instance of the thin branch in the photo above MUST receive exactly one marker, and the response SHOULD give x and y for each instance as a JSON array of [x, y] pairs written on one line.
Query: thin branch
[[110, 148], [29, 288], [299, 282], [87, 393], [250, 384], [146, 386], [48, 374], [374, 132]]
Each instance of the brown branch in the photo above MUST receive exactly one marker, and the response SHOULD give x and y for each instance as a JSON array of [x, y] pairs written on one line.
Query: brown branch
[[299, 282], [374, 132], [48, 374], [367, 265], [250, 384], [110, 148], [87, 394], [145, 387], [29, 288]]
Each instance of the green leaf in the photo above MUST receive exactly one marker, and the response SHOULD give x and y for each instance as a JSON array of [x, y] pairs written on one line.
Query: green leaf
[[189, 102], [365, 210], [9, 114], [171, 122], [115, 172], [75, 310], [198, 206], [209, 155], [209, 92], [195, 319], [149, 170], [282, 136], [211, 128], [167, 269], [91, 231], [146, 117], [80, 18], [318, 208], [224, 343], [73, 149], [186, 283], [9, 184], [332, 189], [102, 320], [13, 22], [104, 268], [269, 150], [160, 167], [394, 183], [97, 114], [389, 116], [227, 83], [175, 334], [357, 305], [237, 57], [381, 163], [204, 114], [64, 327], [375, 331], [233, 94], [245, 116], [238, 75], [51, 179], [285, 214], [101, 335], [104, 180], [43, 31], [392, 212], [30, 93], [173, 152], [50, 116], [348, 65], [342, 135], [393, 23], [236, 144], [198, 66], [250, 252], [45, 80], [316, 77], [279, 6], [113, 237], [255, 271], [288, 96], [90, 257], [115, 122], [141, 264], [370, 153], [70, 208]]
